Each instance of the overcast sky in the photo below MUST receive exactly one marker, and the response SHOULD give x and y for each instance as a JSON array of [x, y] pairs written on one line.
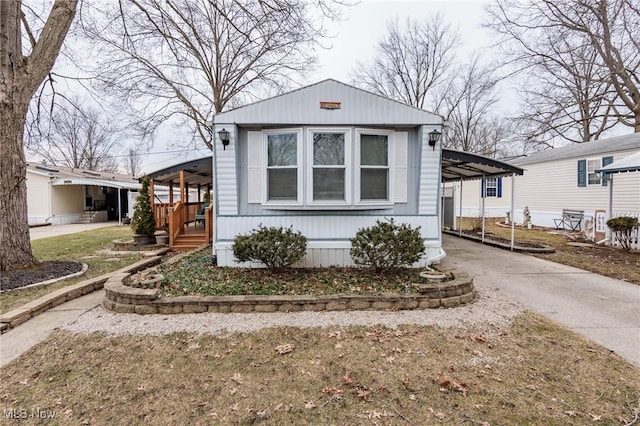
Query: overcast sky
[[355, 40], [366, 23]]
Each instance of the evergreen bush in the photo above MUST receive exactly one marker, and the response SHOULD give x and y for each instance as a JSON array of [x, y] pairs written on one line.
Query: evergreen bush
[[623, 227], [387, 245], [142, 221], [275, 247]]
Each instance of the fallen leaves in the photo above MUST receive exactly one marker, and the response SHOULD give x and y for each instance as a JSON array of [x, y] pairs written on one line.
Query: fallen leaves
[[285, 348], [446, 383]]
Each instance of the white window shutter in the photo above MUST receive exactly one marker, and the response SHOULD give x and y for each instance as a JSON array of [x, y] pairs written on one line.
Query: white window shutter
[[254, 167], [400, 168]]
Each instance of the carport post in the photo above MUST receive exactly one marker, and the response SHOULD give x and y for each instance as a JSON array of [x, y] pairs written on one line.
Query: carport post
[[119, 208], [460, 224], [609, 209], [483, 193], [513, 210]]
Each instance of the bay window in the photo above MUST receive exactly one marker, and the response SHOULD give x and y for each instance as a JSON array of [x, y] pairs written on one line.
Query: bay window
[[327, 168]]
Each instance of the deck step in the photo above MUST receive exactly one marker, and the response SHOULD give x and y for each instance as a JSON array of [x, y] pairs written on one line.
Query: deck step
[[185, 242]]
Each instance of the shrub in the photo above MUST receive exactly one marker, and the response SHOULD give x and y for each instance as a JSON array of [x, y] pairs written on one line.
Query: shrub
[[387, 245], [142, 221], [275, 247], [623, 228]]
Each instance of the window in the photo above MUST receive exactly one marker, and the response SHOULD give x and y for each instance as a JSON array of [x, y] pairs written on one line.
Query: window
[[587, 171], [282, 167], [592, 177], [374, 167], [329, 167], [326, 168], [491, 187]]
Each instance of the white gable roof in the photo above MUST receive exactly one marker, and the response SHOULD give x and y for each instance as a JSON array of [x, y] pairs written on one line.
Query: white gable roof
[[627, 164], [302, 107], [585, 149]]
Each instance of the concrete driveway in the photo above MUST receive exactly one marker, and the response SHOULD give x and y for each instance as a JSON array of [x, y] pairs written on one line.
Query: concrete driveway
[[602, 309]]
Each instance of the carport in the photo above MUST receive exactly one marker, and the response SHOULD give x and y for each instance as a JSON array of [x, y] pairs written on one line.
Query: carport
[[625, 165], [460, 166]]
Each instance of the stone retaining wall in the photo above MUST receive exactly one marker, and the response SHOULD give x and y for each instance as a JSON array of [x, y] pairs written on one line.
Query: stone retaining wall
[[119, 297], [19, 315]]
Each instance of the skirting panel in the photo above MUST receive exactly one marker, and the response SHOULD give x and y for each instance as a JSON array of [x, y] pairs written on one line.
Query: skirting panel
[[323, 254]]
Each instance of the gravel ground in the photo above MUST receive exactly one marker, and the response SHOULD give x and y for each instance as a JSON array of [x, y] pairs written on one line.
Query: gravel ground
[[490, 313]]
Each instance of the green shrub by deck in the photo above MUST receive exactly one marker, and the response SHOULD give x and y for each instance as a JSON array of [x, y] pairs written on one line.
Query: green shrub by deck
[[143, 221], [275, 247], [623, 227], [387, 245]]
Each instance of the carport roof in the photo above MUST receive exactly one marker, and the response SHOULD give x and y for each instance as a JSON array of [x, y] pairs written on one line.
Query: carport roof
[[458, 165], [627, 164], [197, 172]]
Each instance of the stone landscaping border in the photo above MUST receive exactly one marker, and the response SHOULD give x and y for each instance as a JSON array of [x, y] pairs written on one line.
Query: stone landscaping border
[[84, 269], [22, 314], [488, 241], [122, 298]]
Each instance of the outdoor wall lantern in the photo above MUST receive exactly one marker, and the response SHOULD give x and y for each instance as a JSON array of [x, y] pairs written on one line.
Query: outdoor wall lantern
[[224, 138], [434, 137]]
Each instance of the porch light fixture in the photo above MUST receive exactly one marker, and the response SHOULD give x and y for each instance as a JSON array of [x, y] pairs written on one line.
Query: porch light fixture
[[434, 137], [224, 138]]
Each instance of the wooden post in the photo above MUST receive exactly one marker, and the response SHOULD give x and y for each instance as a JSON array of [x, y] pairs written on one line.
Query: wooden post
[[199, 199], [151, 194], [171, 192], [182, 197]]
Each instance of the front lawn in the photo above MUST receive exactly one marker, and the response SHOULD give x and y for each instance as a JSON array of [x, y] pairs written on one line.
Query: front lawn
[[85, 247], [531, 373]]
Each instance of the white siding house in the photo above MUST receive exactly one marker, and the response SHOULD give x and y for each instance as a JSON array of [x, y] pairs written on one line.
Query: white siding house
[[561, 178], [327, 159], [61, 195]]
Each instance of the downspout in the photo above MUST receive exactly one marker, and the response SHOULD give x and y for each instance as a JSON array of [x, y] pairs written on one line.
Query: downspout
[[49, 200]]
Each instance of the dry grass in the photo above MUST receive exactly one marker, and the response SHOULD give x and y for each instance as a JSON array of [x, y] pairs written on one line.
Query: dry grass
[[83, 247], [608, 261], [532, 373]]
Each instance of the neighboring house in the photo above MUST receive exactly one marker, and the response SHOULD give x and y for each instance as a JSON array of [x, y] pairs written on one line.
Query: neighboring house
[[62, 195], [327, 159], [557, 179]]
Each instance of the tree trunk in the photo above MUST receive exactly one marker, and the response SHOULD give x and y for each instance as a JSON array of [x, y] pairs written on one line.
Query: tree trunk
[[20, 77], [15, 245]]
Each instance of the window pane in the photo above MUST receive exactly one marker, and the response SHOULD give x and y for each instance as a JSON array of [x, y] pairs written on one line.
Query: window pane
[[328, 184], [328, 149], [491, 187], [282, 149], [373, 150], [374, 184], [282, 184]]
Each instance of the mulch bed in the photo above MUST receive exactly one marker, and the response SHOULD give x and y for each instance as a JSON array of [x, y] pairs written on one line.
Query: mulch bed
[[43, 271]]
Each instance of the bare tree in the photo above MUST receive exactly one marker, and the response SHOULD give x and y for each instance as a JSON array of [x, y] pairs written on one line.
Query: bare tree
[[133, 162], [585, 53], [22, 71], [194, 58], [411, 61], [469, 107], [79, 138]]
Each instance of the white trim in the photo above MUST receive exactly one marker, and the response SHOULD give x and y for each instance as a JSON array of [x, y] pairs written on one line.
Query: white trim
[[348, 166]]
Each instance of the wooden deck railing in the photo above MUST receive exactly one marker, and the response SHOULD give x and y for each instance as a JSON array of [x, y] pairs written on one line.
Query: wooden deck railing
[[179, 215], [160, 214], [176, 221], [208, 222]]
